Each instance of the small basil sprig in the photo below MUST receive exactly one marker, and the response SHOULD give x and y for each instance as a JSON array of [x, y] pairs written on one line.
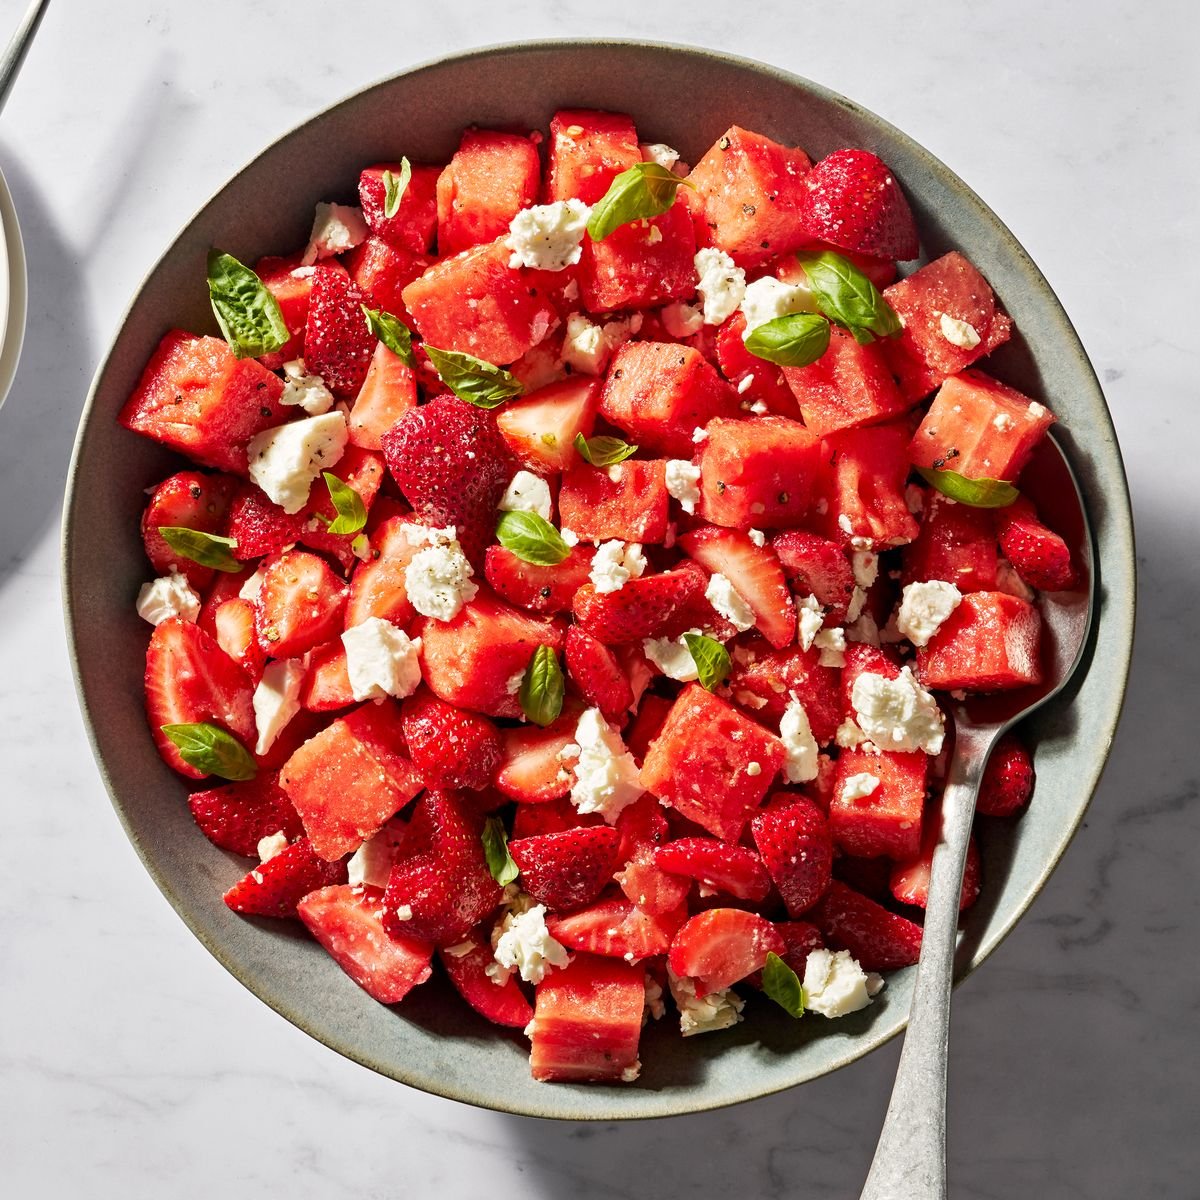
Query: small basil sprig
[[361, 547], [848, 298], [711, 659], [248, 314], [207, 549], [392, 332], [645, 190], [977, 493], [495, 849], [782, 984], [347, 503], [531, 538], [394, 187], [794, 340], [471, 379], [603, 451], [541, 693], [210, 749]]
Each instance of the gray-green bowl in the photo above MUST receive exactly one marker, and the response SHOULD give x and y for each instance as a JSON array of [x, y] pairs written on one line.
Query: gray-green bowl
[[685, 97]]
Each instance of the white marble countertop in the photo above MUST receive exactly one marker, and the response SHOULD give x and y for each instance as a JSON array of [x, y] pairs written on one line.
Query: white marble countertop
[[133, 1066]]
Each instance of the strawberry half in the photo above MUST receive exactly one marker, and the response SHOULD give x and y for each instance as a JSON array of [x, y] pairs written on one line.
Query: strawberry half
[[274, 888], [538, 588], [300, 604], [466, 964], [795, 842], [567, 870], [192, 500], [909, 881], [721, 946], [259, 526], [880, 940], [532, 768], [617, 928], [801, 939], [553, 816], [337, 343], [643, 608], [449, 747], [716, 866], [1007, 780], [817, 567], [1040, 556], [238, 816], [595, 671]]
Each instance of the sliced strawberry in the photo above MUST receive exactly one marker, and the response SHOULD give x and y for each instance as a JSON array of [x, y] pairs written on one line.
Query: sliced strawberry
[[238, 816], [801, 939], [755, 574], [191, 500], [880, 940], [300, 604], [1007, 780], [327, 684], [274, 888], [290, 282], [541, 427], [815, 566], [568, 870], [233, 627], [716, 866], [379, 587], [550, 816], [387, 393], [191, 680], [362, 470], [595, 671], [854, 202], [793, 837], [617, 928], [337, 343], [647, 725], [1040, 556], [909, 881], [449, 747], [466, 964], [532, 766], [721, 946], [643, 608], [348, 923], [258, 526], [540, 589]]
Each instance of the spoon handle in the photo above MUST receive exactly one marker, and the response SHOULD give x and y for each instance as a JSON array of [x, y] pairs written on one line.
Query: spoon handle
[[18, 47], [910, 1159]]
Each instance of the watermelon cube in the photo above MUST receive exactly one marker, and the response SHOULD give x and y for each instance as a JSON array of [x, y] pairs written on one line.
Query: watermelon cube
[[764, 679], [701, 763], [415, 222], [757, 473], [197, 397], [660, 392], [863, 479], [956, 543], [766, 381], [492, 176], [980, 428], [382, 272], [540, 589], [991, 642], [749, 193], [327, 682], [290, 283], [387, 393], [885, 822], [628, 501], [541, 427], [587, 151]]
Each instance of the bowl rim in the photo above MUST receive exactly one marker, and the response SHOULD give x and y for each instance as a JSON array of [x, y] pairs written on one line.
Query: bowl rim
[[606, 1107]]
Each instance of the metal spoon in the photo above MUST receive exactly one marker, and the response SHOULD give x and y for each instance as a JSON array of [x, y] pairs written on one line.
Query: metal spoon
[[15, 51], [910, 1159]]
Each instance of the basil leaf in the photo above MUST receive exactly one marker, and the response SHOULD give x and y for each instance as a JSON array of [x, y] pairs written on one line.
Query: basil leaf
[[246, 311], [361, 547], [541, 693], [977, 493], [495, 849], [848, 298], [351, 511], [792, 341], [473, 380], [531, 538], [603, 451], [710, 657], [645, 190], [392, 332], [210, 749], [782, 984], [394, 188], [207, 549]]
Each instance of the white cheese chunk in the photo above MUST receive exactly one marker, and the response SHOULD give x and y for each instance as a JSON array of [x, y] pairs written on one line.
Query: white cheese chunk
[[897, 714], [527, 492], [548, 237], [859, 786], [304, 390], [835, 985], [285, 460], [720, 1009], [381, 660], [924, 608], [683, 482], [268, 847], [438, 578], [722, 285], [525, 945], [958, 333], [724, 598], [769, 298], [615, 563], [796, 734], [607, 779], [168, 596], [336, 228], [276, 700]]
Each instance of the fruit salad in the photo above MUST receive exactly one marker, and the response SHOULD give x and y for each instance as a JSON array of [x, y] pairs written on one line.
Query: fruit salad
[[571, 558]]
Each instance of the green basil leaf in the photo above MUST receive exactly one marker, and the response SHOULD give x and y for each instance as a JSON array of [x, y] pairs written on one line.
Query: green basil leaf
[[348, 504], [645, 190], [531, 538], [541, 693], [978, 493], [792, 341], [210, 749], [782, 984], [495, 850], [246, 311], [603, 451], [473, 380], [361, 546], [710, 657], [207, 549], [848, 298], [392, 332], [394, 187]]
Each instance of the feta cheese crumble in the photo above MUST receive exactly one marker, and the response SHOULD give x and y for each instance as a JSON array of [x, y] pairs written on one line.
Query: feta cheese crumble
[[722, 595], [810, 619], [958, 333], [615, 564], [336, 228], [849, 735], [548, 237], [276, 700], [835, 985], [924, 607], [769, 298], [253, 586], [1003, 422], [585, 348], [683, 482], [796, 734], [268, 847], [717, 1010], [168, 596], [722, 285], [672, 656], [859, 786], [897, 714], [381, 660], [525, 945], [285, 460], [304, 390], [659, 152], [371, 864], [832, 645], [682, 320], [438, 578], [757, 536], [527, 493], [607, 779], [699, 434]]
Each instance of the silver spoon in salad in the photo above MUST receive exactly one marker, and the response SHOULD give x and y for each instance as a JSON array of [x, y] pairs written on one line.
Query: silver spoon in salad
[[910, 1158]]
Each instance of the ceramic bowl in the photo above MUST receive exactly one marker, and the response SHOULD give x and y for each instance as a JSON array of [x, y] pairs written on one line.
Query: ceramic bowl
[[433, 1041]]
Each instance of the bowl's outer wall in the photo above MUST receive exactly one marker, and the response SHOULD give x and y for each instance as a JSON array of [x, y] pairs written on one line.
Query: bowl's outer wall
[[686, 98]]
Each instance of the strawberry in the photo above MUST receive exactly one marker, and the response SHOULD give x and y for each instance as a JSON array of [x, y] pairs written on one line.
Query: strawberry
[[716, 866], [348, 923], [274, 888], [238, 816], [258, 526], [192, 500], [541, 427], [452, 466], [414, 223], [551, 816], [646, 725], [233, 627], [362, 470], [568, 870], [191, 680], [854, 202], [300, 604], [1007, 780], [755, 574], [327, 684], [466, 964], [815, 566], [541, 589], [450, 748], [880, 940], [801, 939], [793, 837], [595, 671], [617, 928], [718, 947], [643, 608], [532, 768], [379, 587], [1040, 556], [909, 881], [337, 343], [643, 827]]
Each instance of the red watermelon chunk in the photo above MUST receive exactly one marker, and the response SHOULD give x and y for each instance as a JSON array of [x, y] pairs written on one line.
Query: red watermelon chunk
[[540, 589], [628, 501], [764, 679], [957, 543], [290, 283], [757, 381], [382, 272], [587, 151], [492, 176], [991, 642], [193, 500], [887, 822], [863, 483], [640, 265]]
